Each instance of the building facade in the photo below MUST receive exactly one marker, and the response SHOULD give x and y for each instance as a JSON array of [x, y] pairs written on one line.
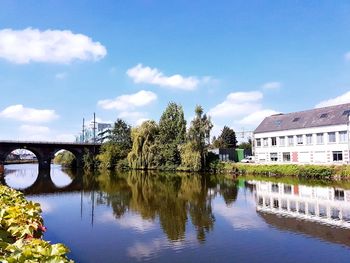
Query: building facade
[[101, 130], [317, 136]]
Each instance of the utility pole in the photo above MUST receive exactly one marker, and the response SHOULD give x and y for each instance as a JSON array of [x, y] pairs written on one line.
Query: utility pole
[[83, 130], [94, 128], [348, 132]]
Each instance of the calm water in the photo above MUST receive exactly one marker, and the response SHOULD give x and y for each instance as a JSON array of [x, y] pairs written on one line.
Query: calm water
[[135, 217]]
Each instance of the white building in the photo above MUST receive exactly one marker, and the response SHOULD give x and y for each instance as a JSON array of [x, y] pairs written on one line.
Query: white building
[[318, 136]]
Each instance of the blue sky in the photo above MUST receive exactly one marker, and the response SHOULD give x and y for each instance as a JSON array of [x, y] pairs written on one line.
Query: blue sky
[[61, 61]]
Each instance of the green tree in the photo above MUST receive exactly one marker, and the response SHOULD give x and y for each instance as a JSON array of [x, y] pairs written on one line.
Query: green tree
[[66, 159], [117, 147], [172, 133], [199, 133], [144, 152], [227, 139]]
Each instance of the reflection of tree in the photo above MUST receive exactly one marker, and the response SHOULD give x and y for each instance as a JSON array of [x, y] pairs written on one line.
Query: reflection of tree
[[168, 197], [229, 191]]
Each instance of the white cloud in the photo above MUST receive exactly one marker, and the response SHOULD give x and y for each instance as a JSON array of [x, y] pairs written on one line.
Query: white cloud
[[347, 56], [53, 46], [129, 101], [143, 74], [34, 129], [272, 85], [65, 138], [61, 75], [256, 117], [237, 104], [344, 98], [20, 113]]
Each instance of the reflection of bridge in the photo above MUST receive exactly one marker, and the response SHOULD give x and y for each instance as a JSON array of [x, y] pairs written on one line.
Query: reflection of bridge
[[44, 185], [45, 151]]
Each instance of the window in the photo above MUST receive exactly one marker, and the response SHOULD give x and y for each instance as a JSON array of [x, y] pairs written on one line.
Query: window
[[278, 123], [337, 156], [292, 206], [346, 112], [265, 142], [299, 139], [324, 115], [308, 139], [286, 157], [287, 189], [260, 201], [274, 188], [343, 136], [282, 141], [273, 157], [319, 138], [273, 141], [335, 213], [339, 195], [322, 211], [275, 203], [296, 119], [290, 140], [311, 209], [258, 142], [284, 204], [331, 137], [301, 208]]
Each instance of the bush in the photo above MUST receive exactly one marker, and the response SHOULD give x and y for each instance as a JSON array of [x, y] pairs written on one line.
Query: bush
[[306, 171], [21, 228]]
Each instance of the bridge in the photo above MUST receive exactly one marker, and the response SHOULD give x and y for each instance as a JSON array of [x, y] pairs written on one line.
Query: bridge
[[45, 151]]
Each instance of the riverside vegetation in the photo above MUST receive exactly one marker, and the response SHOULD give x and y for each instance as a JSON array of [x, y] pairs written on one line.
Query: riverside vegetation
[[166, 145], [21, 229]]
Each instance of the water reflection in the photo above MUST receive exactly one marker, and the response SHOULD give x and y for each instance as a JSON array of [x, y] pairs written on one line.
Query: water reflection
[[321, 212], [140, 216]]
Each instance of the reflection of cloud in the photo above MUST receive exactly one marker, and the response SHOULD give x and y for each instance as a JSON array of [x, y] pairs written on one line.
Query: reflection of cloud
[[241, 218], [142, 250], [129, 221]]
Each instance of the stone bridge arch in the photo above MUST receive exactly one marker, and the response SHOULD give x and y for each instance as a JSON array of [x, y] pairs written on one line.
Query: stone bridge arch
[[45, 152]]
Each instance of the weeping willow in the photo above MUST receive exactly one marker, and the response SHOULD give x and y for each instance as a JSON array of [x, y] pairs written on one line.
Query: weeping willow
[[144, 149]]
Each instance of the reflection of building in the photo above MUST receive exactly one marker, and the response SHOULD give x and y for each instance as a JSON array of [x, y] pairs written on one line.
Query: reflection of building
[[319, 204], [312, 136]]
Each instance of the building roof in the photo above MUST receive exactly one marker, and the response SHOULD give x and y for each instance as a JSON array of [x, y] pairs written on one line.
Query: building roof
[[333, 115]]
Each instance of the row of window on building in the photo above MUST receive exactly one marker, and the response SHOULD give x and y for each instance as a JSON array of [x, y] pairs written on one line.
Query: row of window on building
[[303, 139], [286, 156]]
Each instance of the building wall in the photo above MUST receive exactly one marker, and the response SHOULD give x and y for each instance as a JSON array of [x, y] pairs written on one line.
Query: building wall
[[301, 150]]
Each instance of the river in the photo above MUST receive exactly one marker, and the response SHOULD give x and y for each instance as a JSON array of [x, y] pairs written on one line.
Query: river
[[168, 217]]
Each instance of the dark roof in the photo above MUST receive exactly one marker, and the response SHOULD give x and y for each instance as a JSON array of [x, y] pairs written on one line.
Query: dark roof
[[333, 115]]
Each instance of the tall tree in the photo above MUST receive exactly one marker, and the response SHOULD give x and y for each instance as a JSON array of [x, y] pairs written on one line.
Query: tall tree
[[117, 147], [172, 133], [144, 150], [227, 138], [199, 133]]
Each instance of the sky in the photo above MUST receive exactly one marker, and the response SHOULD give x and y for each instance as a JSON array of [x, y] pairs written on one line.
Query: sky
[[61, 61]]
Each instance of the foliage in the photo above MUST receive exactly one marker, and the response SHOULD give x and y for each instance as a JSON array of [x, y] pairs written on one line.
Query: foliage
[[190, 157], [246, 145], [199, 134], [172, 132], [90, 161], [117, 147], [21, 227], [227, 139], [66, 159], [144, 151], [303, 171]]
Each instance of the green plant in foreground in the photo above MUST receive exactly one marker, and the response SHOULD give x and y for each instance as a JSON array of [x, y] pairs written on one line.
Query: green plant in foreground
[[21, 229]]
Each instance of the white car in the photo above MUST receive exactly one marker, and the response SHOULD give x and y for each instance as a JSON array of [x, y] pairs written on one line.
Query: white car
[[248, 159]]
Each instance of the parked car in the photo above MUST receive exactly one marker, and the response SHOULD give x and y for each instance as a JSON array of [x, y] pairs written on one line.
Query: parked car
[[248, 159]]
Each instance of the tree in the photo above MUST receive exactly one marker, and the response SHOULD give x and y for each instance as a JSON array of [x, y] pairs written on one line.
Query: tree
[[227, 139], [117, 147], [199, 133], [172, 132], [144, 152]]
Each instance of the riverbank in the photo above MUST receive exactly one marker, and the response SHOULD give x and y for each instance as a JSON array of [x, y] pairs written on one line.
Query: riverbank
[[329, 172], [21, 231]]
